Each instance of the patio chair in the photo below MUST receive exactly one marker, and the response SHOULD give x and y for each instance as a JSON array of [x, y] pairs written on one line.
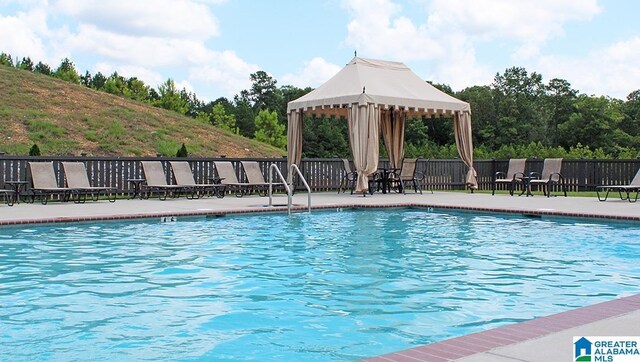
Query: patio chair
[[549, 178], [512, 177], [156, 181], [255, 178], [78, 179], [227, 175], [44, 184], [634, 185], [184, 177], [9, 196], [349, 177], [409, 175]]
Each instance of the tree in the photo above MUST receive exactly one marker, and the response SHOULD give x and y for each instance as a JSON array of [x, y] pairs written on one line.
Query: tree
[[519, 101], [34, 150], [245, 115], [98, 81], [560, 98], [182, 152], [25, 64], [86, 79], [67, 71], [325, 137], [5, 59], [42, 68], [137, 90], [221, 119], [269, 130], [263, 93], [595, 123], [170, 98]]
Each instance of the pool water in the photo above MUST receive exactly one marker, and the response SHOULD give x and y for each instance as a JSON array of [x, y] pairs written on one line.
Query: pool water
[[313, 287]]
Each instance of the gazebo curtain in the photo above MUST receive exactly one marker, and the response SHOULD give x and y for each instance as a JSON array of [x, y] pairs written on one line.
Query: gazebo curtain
[[464, 143], [364, 121], [294, 139], [392, 124]]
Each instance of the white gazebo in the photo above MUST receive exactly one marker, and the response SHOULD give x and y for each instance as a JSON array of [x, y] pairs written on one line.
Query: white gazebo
[[374, 96]]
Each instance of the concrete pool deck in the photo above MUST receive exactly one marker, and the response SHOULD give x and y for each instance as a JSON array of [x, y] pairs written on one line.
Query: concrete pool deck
[[545, 338]]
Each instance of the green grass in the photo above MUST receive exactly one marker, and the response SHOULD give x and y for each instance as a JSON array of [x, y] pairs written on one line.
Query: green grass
[[60, 117]]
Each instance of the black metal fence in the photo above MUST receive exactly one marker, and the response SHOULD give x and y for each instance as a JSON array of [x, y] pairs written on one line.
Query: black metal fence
[[324, 174]]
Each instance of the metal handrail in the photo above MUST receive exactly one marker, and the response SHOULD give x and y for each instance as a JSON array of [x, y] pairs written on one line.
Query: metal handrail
[[295, 168], [284, 182]]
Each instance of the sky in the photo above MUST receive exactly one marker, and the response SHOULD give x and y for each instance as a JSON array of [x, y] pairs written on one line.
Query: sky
[[210, 47]]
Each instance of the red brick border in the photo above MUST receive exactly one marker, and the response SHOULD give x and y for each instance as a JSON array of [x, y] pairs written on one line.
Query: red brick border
[[454, 348]]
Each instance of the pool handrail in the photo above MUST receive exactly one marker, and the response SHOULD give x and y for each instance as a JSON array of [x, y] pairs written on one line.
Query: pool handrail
[[295, 168], [272, 167]]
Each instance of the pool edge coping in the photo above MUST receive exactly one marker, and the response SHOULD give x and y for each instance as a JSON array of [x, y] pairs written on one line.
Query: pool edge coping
[[475, 343], [279, 209]]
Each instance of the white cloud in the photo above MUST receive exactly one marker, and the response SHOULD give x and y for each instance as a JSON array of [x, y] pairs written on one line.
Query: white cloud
[[23, 34], [147, 18], [376, 30], [224, 70], [611, 71], [452, 30], [315, 72]]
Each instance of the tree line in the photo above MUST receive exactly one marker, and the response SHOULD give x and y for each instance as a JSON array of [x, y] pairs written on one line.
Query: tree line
[[517, 115]]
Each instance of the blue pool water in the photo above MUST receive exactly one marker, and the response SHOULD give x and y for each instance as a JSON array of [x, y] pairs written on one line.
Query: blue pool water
[[322, 286]]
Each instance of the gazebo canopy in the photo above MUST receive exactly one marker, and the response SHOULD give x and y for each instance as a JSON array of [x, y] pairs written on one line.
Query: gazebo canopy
[[374, 95]]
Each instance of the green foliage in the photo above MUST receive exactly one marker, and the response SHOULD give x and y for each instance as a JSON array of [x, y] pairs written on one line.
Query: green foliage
[[221, 119], [170, 98], [182, 152], [42, 68], [269, 131], [67, 71], [25, 64], [34, 150], [6, 60], [325, 137]]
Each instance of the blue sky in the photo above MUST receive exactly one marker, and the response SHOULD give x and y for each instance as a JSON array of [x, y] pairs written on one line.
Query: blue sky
[[211, 46]]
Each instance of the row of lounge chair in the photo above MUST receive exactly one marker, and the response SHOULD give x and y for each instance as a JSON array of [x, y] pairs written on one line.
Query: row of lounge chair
[[156, 180], [78, 188]]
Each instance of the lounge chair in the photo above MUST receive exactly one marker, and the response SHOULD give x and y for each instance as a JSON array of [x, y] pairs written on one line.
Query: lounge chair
[[9, 196], [549, 178], [349, 177], [227, 175], [255, 178], [409, 175], [77, 179], [184, 177], [44, 184], [156, 181], [513, 176], [634, 185]]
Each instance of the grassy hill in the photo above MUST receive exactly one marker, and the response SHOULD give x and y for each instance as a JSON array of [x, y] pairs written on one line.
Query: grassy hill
[[68, 119]]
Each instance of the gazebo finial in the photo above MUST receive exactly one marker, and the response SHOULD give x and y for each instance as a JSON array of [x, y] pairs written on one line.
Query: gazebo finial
[[363, 89], [355, 53]]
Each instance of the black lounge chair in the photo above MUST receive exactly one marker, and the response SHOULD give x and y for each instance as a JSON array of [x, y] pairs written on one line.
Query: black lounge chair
[[156, 181], [78, 180], [9, 196], [550, 176], [44, 183], [184, 177], [634, 185], [513, 176]]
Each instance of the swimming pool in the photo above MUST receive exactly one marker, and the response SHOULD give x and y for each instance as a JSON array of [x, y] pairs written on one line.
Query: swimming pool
[[321, 286]]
